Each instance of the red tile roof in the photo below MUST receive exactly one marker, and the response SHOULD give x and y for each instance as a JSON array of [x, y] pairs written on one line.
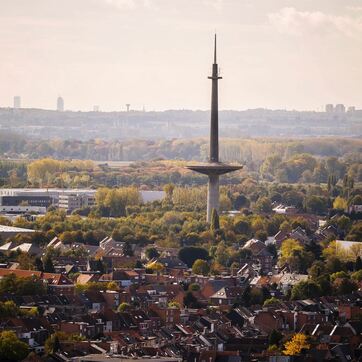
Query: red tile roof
[[51, 278]]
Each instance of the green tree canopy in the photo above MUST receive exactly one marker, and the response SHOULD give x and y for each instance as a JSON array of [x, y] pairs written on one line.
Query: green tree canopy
[[200, 267], [11, 348], [189, 254]]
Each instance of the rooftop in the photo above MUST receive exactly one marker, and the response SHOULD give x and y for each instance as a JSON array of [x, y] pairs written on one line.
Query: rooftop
[[13, 229]]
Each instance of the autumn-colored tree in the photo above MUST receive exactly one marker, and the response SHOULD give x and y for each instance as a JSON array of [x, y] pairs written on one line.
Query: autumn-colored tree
[[296, 345], [123, 307], [168, 188], [155, 266], [200, 267], [288, 247], [340, 203], [11, 348], [215, 224], [115, 201]]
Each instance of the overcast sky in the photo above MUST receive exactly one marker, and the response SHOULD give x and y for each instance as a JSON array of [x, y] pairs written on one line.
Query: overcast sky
[[293, 54]]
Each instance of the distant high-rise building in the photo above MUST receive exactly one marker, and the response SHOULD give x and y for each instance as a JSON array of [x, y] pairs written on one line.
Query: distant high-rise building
[[329, 108], [17, 102], [95, 108], [351, 109], [340, 108], [127, 106], [60, 104]]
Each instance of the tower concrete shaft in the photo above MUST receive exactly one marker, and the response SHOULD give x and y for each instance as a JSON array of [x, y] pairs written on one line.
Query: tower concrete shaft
[[212, 196]]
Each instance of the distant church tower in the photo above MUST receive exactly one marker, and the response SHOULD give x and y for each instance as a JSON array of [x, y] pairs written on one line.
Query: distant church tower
[[214, 168], [60, 104]]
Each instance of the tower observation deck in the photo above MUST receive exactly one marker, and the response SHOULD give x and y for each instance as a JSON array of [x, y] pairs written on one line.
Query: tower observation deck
[[214, 168]]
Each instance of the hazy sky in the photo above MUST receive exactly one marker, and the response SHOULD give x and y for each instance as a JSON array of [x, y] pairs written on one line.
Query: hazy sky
[[294, 54]]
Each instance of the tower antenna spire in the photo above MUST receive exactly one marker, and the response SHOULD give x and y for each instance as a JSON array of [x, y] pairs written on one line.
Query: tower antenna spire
[[215, 50]]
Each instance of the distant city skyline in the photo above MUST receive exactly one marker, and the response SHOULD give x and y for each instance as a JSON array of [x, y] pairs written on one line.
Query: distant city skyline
[[328, 108], [276, 54]]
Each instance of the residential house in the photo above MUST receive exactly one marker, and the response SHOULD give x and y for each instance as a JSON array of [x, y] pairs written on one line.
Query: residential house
[[227, 296], [262, 260]]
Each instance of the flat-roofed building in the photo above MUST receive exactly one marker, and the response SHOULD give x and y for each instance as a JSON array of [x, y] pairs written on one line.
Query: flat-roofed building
[[22, 209], [45, 197], [9, 231], [73, 201]]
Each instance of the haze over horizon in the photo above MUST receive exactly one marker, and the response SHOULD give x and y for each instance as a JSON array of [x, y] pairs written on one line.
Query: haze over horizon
[[158, 53]]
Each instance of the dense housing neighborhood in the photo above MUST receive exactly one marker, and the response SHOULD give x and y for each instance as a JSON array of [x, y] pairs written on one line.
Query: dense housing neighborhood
[[263, 298]]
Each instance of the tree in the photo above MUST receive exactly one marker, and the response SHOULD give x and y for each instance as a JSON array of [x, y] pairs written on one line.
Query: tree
[[123, 307], [334, 264], [358, 265], [189, 254], [275, 337], [190, 301], [48, 264], [344, 286], [356, 200], [155, 266], [293, 198], [191, 239], [113, 285], [340, 203], [200, 267], [271, 301], [355, 233], [305, 289], [263, 205], [288, 246], [8, 309], [332, 182], [254, 296], [222, 255], [21, 286], [242, 227], [194, 287], [320, 174], [270, 165], [357, 275], [316, 204], [115, 201], [241, 201], [152, 253], [261, 235], [224, 202], [296, 345], [174, 304], [127, 249], [344, 223], [11, 348], [38, 264], [293, 253], [168, 188], [215, 225], [316, 270], [25, 261], [52, 344]]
